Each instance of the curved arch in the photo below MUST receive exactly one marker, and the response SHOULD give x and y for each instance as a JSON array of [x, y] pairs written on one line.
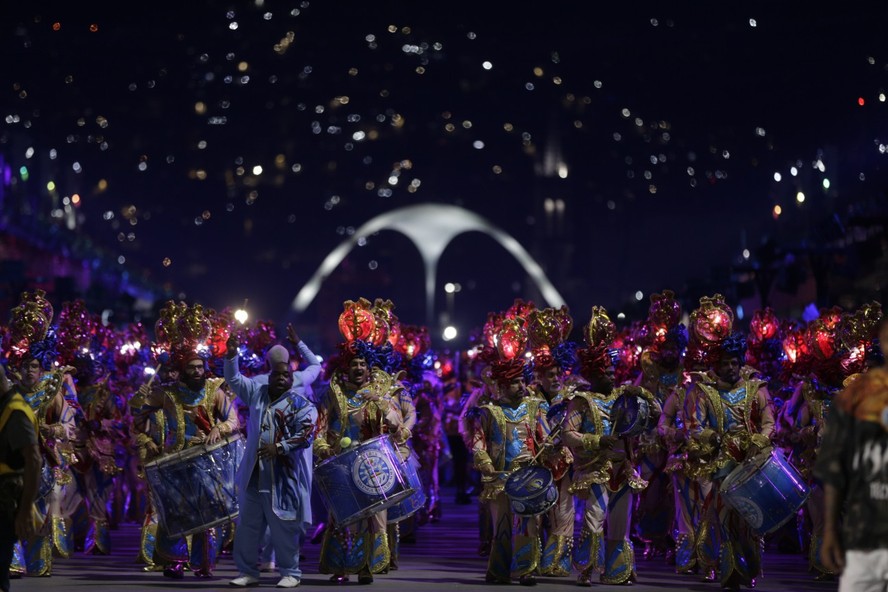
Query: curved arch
[[431, 227]]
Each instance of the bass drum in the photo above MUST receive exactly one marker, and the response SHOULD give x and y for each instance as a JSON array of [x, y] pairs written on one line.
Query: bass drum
[[362, 481], [766, 490], [531, 490], [194, 489], [632, 416]]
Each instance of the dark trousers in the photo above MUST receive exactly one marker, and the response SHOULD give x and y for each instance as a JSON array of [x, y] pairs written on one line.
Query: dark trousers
[[7, 544]]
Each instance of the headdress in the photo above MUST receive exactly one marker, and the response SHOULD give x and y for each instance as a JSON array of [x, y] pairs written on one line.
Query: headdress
[[30, 333], [710, 324], [361, 329], [599, 334], [548, 330]]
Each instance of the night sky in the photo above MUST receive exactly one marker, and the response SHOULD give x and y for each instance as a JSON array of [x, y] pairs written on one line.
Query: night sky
[[223, 149]]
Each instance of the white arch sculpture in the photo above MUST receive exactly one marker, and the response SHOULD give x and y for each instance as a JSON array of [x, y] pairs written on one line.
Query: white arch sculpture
[[431, 227]]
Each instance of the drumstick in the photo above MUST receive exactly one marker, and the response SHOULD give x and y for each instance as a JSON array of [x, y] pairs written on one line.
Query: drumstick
[[154, 374]]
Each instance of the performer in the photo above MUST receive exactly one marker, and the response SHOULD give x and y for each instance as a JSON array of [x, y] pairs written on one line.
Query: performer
[[509, 433], [43, 387], [554, 359], [196, 411], [274, 478], [604, 474], [101, 432], [359, 404], [734, 417], [661, 374], [19, 474]]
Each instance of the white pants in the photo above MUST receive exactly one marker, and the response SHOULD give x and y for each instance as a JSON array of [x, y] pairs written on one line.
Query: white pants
[[865, 571]]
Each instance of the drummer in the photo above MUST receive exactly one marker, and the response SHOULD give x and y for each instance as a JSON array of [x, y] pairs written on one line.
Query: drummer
[[357, 405], [733, 418], [509, 432], [196, 411], [274, 479], [604, 476]]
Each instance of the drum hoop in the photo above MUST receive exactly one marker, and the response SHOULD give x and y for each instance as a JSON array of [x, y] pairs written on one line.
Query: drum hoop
[[355, 448], [379, 506], [192, 451], [228, 518]]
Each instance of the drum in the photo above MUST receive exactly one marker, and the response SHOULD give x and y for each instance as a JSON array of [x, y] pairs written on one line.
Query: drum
[[766, 490], [363, 480], [194, 489], [409, 505], [631, 415], [531, 490]]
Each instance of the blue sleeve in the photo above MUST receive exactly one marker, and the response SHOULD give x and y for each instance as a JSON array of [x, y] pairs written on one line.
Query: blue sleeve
[[243, 387], [313, 370]]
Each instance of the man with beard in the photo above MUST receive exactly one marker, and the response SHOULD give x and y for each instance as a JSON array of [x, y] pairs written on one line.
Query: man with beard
[[508, 435], [196, 411], [733, 418], [358, 404], [274, 478]]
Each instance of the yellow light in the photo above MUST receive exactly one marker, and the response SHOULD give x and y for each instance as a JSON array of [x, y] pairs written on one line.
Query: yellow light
[[241, 316]]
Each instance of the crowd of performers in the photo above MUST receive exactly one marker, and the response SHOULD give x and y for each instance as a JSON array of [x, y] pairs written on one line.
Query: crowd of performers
[[581, 453]]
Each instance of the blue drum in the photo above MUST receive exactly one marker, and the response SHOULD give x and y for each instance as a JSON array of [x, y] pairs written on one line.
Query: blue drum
[[531, 490], [194, 489], [631, 415], [362, 481], [766, 490], [410, 505]]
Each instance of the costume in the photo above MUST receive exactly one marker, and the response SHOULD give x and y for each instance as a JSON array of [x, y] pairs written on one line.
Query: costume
[[359, 403], [193, 409], [554, 359], [44, 390], [508, 434], [661, 375], [604, 473], [732, 420], [273, 493]]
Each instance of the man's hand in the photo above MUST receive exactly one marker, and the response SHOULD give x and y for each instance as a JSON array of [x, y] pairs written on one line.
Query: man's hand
[[268, 450], [292, 336], [214, 436], [487, 470], [607, 442], [231, 346], [831, 552]]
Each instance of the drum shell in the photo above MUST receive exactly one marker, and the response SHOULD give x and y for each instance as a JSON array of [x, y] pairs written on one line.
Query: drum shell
[[362, 481], [633, 416], [412, 504], [195, 489], [766, 490], [531, 490]]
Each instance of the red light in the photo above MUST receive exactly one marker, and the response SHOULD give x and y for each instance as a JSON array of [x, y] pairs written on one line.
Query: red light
[[860, 101]]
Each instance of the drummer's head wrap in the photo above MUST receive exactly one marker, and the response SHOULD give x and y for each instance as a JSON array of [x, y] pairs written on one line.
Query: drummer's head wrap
[[677, 335], [733, 347], [505, 371]]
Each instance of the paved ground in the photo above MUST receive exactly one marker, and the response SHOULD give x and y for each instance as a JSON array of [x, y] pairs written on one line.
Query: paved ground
[[443, 558]]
